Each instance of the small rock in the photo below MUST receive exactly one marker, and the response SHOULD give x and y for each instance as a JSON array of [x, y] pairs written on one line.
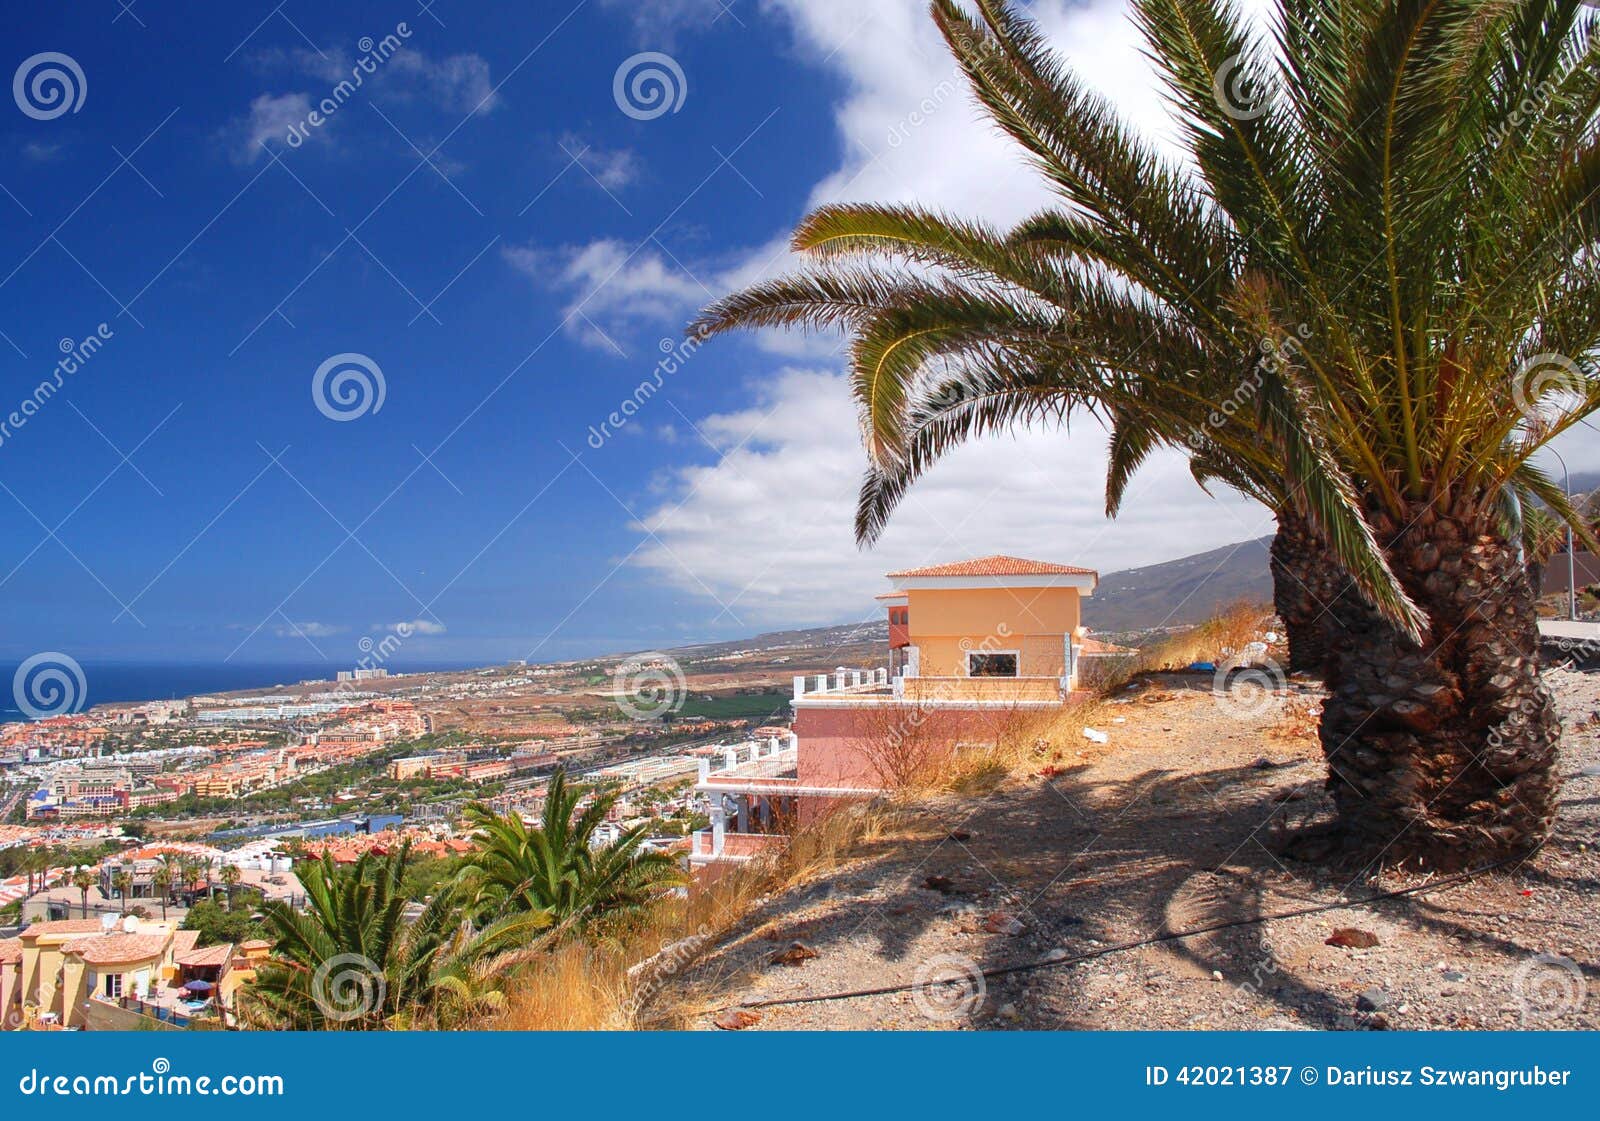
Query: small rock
[[736, 1019], [1372, 1000], [796, 953], [1352, 937], [1003, 922], [1008, 1012], [1216, 974], [1452, 975], [944, 885]]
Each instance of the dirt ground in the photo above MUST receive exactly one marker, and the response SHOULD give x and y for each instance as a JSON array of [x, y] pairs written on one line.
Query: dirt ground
[[1173, 824]]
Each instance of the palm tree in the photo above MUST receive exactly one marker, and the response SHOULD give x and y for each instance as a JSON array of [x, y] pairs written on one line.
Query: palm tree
[[349, 961], [202, 872], [83, 879], [230, 877], [122, 882], [1409, 194], [558, 869], [161, 880]]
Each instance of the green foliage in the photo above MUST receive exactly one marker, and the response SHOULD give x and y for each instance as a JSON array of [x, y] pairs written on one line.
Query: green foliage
[[218, 924], [350, 961], [556, 868]]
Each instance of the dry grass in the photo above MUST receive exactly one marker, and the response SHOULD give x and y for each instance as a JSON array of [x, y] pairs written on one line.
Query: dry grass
[[1230, 630], [624, 983], [1299, 722]]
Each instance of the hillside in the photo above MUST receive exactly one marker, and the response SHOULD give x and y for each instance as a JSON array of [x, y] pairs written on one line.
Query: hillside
[[1185, 590]]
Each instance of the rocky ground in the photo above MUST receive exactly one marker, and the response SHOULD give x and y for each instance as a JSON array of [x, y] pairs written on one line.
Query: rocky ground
[[1175, 823]]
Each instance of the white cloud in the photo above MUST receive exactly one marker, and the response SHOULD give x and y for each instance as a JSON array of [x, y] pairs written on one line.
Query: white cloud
[[414, 626], [609, 168], [268, 121], [37, 151], [658, 22], [459, 82], [307, 630], [615, 289], [766, 531]]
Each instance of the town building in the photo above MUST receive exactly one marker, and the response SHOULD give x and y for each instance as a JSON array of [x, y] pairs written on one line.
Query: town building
[[118, 973], [975, 648]]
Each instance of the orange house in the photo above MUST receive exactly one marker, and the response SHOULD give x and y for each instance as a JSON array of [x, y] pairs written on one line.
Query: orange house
[[972, 646]]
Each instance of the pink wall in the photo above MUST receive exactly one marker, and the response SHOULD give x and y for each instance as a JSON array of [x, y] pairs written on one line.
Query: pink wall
[[853, 746]]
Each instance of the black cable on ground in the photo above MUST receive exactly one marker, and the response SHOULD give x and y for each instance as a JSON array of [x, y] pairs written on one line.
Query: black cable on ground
[[1172, 936]]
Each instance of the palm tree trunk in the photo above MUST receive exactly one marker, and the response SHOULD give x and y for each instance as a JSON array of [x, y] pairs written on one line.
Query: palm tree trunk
[[1443, 752], [1308, 589]]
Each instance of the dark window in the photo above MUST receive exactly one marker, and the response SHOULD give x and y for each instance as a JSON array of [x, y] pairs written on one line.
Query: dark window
[[991, 665]]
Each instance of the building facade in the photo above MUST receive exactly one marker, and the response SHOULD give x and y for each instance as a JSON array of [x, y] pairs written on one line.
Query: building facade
[[975, 647]]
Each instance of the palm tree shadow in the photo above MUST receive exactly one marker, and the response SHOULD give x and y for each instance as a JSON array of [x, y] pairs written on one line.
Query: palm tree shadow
[[1081, 865]]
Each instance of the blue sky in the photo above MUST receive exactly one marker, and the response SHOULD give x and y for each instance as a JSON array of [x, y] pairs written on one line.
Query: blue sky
[[511, 246], [225, 279]]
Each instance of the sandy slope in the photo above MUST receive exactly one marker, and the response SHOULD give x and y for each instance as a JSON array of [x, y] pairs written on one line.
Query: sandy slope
[[1176, 824]]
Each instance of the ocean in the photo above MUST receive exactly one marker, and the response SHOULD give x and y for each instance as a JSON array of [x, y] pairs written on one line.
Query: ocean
[[105, 682]]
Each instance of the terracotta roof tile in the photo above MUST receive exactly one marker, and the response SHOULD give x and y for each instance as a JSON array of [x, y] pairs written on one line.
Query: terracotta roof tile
[[62, 926], [10, 951], [997, 566], [210, 955], [115, 949]]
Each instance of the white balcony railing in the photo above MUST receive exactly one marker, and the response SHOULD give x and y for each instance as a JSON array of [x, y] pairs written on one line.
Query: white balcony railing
[[842, 681]]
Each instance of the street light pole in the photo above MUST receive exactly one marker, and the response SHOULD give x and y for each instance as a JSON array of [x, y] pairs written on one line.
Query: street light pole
[[1572, 557]]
